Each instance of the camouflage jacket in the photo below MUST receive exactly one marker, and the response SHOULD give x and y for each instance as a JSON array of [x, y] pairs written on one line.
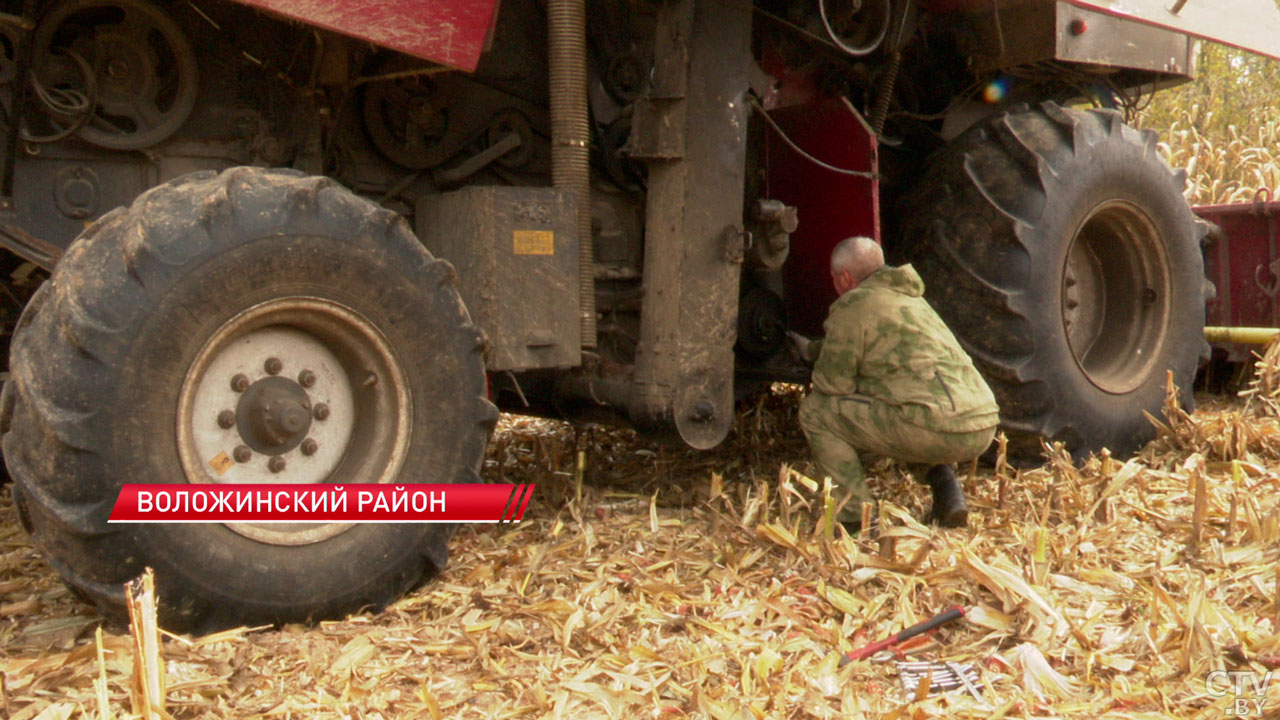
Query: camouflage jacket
[[884, 340]]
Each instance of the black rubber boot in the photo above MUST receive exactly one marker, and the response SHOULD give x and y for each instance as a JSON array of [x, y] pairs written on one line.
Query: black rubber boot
[[949, 508]]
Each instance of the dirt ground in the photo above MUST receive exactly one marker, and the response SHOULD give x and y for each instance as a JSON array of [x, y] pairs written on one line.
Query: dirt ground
[[709, 585]]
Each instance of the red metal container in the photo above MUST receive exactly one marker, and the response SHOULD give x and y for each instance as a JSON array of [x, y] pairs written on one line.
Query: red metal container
[[1244, 264]]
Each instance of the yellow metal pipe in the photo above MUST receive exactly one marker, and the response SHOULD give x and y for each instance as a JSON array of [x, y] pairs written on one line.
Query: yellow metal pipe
[[1249, 335]]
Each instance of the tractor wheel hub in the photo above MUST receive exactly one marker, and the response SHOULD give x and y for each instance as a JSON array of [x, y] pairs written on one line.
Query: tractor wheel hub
[[273, 415]]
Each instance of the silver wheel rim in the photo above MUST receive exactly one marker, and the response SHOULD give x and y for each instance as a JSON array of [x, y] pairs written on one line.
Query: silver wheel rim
[[354, 394], [1116, 296]]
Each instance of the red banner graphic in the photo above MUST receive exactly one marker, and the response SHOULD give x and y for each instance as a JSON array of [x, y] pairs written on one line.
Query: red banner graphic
[[322, 503]]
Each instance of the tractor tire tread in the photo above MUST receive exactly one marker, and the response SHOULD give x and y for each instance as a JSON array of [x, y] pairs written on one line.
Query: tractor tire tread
[[55, 422]]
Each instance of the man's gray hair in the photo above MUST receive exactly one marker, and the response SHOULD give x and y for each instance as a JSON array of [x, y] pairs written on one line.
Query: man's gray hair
[[860, 256]]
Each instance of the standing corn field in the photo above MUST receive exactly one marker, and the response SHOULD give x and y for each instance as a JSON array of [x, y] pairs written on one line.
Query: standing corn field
[[1223, 128]]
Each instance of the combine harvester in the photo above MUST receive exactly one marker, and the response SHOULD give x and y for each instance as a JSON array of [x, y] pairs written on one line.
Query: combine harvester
[[305, 242]]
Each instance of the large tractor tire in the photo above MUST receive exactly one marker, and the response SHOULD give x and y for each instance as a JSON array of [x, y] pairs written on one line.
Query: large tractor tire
[[1058, 247], [187, 329]]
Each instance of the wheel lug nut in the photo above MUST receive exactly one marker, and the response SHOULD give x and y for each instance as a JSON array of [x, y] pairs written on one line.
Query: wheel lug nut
[[306, 378], [226, 419], [240, 383], [242, 454], [275, 464], [273, 366], [320, 411], [310, 446]]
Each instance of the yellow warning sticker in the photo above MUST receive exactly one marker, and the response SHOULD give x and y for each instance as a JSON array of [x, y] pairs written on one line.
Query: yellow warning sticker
[[221, 463], [534, 242]]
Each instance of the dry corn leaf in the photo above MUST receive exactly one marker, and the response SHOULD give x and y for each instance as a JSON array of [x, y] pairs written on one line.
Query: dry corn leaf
[[739, 607], [990, 618], [1039, 677], [1002, 579], [57, 711], [840, 599]]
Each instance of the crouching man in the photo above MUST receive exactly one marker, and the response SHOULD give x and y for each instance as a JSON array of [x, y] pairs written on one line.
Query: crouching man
[[890, 378]]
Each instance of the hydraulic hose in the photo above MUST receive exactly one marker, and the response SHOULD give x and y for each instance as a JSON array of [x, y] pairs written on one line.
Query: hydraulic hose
[[570, 136]]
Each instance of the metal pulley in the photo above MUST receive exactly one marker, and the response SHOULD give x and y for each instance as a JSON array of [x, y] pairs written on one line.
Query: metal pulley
[[405, 113], [857, 27], [144, 68]]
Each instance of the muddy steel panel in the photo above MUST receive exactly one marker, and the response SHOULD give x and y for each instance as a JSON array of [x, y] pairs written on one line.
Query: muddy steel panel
[[1252, 25], [516, 253]]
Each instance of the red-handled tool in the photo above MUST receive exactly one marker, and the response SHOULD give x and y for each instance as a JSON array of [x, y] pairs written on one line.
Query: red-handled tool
[[936, 621]]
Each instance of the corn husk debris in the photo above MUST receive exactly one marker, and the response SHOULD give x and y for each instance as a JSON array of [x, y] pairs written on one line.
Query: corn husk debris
[[713, 585]]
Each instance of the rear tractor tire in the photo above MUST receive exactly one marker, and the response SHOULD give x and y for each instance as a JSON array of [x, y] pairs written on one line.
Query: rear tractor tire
[[260, 315], [1058, 247]]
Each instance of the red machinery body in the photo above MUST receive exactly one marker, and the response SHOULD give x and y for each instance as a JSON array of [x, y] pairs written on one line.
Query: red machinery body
[[450, 32], [1244, 264], [453, 32], [616, 237], [831, 205]]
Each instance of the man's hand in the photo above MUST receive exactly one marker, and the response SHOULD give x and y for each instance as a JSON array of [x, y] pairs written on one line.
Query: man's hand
[[802, 345]]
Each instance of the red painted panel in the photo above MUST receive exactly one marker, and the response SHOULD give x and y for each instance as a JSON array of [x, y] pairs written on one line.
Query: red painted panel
[[450, 32], [1245, 264], [831, 206]]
